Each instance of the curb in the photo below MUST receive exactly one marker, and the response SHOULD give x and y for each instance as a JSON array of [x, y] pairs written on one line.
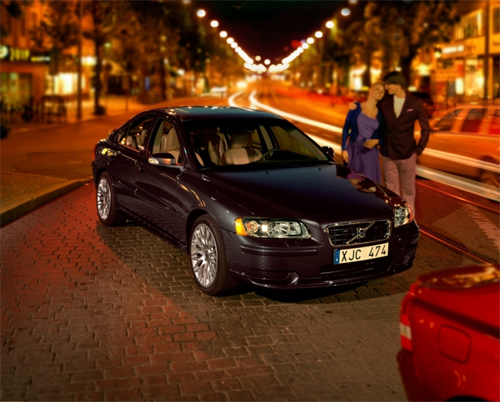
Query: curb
[[26, 204]]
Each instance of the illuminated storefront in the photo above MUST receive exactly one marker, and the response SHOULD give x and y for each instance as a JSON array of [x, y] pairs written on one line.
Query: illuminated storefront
[[461, 69], [25, 76], [22, 75]]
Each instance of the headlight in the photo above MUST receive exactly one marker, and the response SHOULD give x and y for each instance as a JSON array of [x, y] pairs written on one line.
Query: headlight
[[402, 215], [271, 228]]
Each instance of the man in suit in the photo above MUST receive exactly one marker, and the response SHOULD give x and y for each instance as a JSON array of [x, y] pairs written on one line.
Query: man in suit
[[400, 150]]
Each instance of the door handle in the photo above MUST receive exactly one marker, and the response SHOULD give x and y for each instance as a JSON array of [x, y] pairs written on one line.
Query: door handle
[[139, 167]]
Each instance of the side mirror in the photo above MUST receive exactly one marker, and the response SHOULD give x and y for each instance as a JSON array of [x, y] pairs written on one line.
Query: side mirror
[[162, 159], [329, 151]]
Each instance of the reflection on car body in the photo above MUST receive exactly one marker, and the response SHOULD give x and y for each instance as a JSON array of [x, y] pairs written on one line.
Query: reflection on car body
[[450, 336], [466, 141], [251, 199]]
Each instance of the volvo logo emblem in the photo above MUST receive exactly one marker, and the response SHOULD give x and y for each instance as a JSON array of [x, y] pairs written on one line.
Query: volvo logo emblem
[[361, 232]]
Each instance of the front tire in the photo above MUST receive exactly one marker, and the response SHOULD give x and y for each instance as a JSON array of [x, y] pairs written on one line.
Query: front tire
[[107, 208], [208, 258]]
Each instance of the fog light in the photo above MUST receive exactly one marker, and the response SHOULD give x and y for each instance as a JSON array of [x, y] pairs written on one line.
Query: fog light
[[293, 278]]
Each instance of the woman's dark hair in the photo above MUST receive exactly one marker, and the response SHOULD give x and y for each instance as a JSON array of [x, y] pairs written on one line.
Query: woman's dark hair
[[395, 77]]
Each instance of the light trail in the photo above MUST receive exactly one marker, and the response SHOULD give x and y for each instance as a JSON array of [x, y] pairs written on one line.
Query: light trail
[[464, 160], [460, 183]]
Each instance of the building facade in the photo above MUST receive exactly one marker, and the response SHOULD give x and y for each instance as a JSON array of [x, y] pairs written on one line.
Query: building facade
[[468, 67], [28, 74]]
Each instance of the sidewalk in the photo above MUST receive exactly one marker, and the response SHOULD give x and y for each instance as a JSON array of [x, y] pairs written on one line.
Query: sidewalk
[[114, 104], [21, 193]]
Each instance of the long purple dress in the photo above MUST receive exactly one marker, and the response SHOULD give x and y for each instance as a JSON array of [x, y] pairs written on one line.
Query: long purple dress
[[361, 159]]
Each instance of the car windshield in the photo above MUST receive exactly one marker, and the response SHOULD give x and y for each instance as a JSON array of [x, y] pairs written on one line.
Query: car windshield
[[253, 143]]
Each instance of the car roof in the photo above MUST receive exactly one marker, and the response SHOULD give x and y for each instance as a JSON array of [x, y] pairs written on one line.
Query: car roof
[[475, 106], [187, 113]]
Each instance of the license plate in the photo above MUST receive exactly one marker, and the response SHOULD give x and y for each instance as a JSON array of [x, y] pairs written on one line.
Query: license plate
[[360, 253]]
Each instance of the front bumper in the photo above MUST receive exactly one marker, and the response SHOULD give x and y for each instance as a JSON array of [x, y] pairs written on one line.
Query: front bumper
[[281, 264]]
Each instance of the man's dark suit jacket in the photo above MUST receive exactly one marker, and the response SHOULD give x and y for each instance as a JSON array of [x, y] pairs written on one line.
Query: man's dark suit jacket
[[399, 141]]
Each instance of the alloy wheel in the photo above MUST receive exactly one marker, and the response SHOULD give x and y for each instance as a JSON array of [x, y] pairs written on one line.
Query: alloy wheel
[[204, 255], [103, 198]]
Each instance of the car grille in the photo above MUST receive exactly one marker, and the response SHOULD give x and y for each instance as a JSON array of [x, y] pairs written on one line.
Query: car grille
[[346, 234]]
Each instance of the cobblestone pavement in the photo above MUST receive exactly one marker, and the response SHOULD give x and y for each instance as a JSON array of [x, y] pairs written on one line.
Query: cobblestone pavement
[[97, 313]]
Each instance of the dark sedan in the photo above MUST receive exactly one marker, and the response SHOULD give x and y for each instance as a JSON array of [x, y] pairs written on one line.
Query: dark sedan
[[250, 198]]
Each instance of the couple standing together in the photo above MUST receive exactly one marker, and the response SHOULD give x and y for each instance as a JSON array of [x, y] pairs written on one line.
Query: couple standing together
[[386, 121]]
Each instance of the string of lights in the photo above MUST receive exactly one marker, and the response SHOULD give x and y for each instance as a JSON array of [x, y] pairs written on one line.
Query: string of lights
[[260, 68]]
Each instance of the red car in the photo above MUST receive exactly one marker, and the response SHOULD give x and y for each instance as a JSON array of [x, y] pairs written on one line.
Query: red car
[[450, 335]]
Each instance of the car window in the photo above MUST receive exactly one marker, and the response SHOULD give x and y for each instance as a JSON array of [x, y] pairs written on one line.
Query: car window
[[159, 137], [164, 139], [223, 143], [446, 122], [293, 140], [474, 120], [135, 136]]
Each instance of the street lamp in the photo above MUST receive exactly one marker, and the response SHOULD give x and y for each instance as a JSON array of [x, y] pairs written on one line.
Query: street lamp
[[330, 24], [345, 12], [214, 24], [201, 13]]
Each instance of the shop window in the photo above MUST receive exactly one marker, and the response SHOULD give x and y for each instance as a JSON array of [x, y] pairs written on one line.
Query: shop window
[[16, 88], [445, 63], [459, 82], [474, 77], [496, 78], [473, 26], [496, 20], [6, 20]]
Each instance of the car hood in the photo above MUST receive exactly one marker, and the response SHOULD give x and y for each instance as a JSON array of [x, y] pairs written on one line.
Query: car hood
[[302, 192]]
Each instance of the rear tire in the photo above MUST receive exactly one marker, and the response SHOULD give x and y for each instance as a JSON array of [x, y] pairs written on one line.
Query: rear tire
[[107, 207], [208, 258]]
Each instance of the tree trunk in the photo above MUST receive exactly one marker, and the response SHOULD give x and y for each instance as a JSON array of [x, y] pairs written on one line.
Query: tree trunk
[[367, 76], [98, 110], [406, 63], [162, 75]]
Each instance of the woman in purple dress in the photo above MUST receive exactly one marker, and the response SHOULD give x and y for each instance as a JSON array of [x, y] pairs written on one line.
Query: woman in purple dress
[[361, 134]]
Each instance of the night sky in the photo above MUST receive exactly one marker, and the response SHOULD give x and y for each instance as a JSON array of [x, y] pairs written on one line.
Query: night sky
[[266, 28]]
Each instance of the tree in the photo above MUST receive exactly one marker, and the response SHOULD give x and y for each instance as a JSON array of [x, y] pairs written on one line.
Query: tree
[[127, 47], [102, 14], [158, 26], [366, 35], [58, 31], [406, 26], [15, 9]]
